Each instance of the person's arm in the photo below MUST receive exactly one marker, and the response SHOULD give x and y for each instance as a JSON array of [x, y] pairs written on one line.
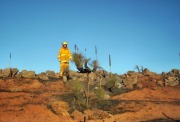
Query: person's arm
[[59, 55]]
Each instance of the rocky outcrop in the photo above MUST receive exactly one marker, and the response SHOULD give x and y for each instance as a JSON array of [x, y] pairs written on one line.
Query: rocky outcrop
[[14, 71], [112, 82], [8, 72], [171, 78]]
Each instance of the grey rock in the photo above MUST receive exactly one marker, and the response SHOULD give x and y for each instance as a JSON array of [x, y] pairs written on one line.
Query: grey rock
[[28, 74], [51, 74], [43, 76]]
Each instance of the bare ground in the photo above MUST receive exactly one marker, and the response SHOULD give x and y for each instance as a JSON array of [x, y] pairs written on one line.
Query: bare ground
[[27, 100]]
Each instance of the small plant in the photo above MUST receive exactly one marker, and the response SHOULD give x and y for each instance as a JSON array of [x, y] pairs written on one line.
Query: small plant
[[82, 63], [137, 67], [77, 86], [142, 68], [139, 70], [78, 59], [110, 62], [100, 94], [111, 81]]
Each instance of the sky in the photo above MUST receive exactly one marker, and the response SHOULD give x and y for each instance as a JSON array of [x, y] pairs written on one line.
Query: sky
[[133, 32]]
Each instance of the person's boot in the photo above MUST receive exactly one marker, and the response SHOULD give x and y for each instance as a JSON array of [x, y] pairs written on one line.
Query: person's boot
[[64, 77]]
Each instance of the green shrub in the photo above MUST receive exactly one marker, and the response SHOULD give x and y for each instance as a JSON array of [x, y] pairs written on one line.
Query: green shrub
[[100, 94]]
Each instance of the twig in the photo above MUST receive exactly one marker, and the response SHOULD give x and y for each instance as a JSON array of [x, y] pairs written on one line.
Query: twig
[[170, 117]]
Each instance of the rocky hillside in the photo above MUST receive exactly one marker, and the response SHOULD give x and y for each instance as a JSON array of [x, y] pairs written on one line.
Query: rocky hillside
[[94, 97]]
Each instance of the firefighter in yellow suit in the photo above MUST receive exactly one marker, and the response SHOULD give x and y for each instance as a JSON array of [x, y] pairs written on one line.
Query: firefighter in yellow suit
[[64, 56]]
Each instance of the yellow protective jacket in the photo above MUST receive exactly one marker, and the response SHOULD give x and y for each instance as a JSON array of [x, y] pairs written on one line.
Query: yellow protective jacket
[[64, 55]]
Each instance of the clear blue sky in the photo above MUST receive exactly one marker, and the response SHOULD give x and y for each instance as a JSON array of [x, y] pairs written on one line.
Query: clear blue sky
[[133, 32]]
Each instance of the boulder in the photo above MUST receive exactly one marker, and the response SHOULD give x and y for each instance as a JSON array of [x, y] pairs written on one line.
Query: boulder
[[77, 115], [160, 82], [171, 81], [130, 73], [139, 85], [60, 108], [146, 71], [14, 71], [19, 75], [51, 74], [128, 85], [119, 85], [132, 80], [96, 114], [28, 74], [43, 76], [5, 73], [175, 71]]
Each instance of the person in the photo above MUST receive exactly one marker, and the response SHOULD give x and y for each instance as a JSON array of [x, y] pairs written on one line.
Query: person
[[64, 56]]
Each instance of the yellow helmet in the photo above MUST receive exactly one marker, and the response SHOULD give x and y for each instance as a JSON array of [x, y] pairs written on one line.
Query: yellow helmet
[[64, 42]]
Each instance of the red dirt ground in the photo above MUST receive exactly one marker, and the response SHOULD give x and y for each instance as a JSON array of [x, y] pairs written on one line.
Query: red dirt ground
[[26, 100]]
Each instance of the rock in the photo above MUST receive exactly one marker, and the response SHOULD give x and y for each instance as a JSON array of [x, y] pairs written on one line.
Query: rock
[[130, 73], [163, 73], [4, 73], [146, 71], [119, 85], [14, 71], [60, 108], [51, 74], [96, 114], [28, 74], [175, 71], [43, 76], [133, 79], [78, 115], [19, 75], [139, 85], [171, 81], [160, 82], [128, 85]]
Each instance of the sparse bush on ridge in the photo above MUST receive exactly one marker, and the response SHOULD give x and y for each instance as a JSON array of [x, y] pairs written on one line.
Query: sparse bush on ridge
[[82, 63], [140, 70]]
